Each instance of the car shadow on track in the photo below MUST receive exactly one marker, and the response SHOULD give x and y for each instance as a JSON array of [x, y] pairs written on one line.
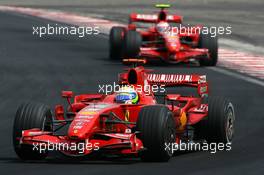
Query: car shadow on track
[[56, 159], [153, 63], [14, 160]]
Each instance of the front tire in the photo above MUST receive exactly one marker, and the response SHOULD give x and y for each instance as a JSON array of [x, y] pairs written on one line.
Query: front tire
[[132, 44], [116, 40], [28, 116], [210, 43], [157, 129]]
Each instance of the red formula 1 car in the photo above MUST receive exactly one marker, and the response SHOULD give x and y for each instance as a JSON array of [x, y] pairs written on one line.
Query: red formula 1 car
[[165, 39], [146, 127]]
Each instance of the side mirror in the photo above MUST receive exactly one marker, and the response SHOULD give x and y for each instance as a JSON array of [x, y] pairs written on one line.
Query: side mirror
[[67, 94]]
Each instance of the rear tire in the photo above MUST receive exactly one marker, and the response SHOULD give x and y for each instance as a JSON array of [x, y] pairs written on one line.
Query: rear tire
[[219, 126], [157, 128], [116, 40], [132, 44], [28, 116], [210, 43]]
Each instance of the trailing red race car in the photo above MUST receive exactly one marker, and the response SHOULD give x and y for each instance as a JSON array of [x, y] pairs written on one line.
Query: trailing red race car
[[163, 40], [131, 121]]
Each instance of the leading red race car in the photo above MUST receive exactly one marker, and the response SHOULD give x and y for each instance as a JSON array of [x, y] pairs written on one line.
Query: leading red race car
[[166, 39], [131, 122]]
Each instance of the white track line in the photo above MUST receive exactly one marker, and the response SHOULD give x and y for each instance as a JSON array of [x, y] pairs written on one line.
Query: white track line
[[238, 76], [242, 62]]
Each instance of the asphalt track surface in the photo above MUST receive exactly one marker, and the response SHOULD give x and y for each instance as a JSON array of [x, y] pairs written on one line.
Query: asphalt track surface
[[33, 68], [244, 16]]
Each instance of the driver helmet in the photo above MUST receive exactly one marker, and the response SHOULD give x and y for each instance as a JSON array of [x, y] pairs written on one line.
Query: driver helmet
[[127, 95], [162, 27]]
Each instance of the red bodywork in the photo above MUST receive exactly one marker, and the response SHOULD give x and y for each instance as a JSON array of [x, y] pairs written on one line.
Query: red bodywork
[[179, 44], [100, 123]]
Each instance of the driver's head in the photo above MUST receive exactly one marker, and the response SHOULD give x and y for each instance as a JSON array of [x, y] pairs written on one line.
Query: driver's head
[[127, 95], [162, 27]]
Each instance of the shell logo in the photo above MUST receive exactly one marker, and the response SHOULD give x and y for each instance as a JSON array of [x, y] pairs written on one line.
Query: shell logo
[[88, 112]]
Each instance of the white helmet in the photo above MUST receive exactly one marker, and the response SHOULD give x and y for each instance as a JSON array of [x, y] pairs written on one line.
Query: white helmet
[[162, 27]]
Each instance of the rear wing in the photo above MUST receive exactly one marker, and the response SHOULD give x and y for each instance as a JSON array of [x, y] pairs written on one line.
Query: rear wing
[[143, 77], [171, 80], [148, 18]]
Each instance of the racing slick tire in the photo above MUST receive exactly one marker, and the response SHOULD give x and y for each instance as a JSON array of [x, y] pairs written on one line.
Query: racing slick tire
[[28, 116], [116, 40], [157, 129], [219, 126], [132, 44], [210, 43]]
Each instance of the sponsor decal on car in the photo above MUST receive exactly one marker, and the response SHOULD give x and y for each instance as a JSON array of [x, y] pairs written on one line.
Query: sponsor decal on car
[[168, 78], [202, 108], [127, 115], [88, 112], [85, 117], [147, 17]]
